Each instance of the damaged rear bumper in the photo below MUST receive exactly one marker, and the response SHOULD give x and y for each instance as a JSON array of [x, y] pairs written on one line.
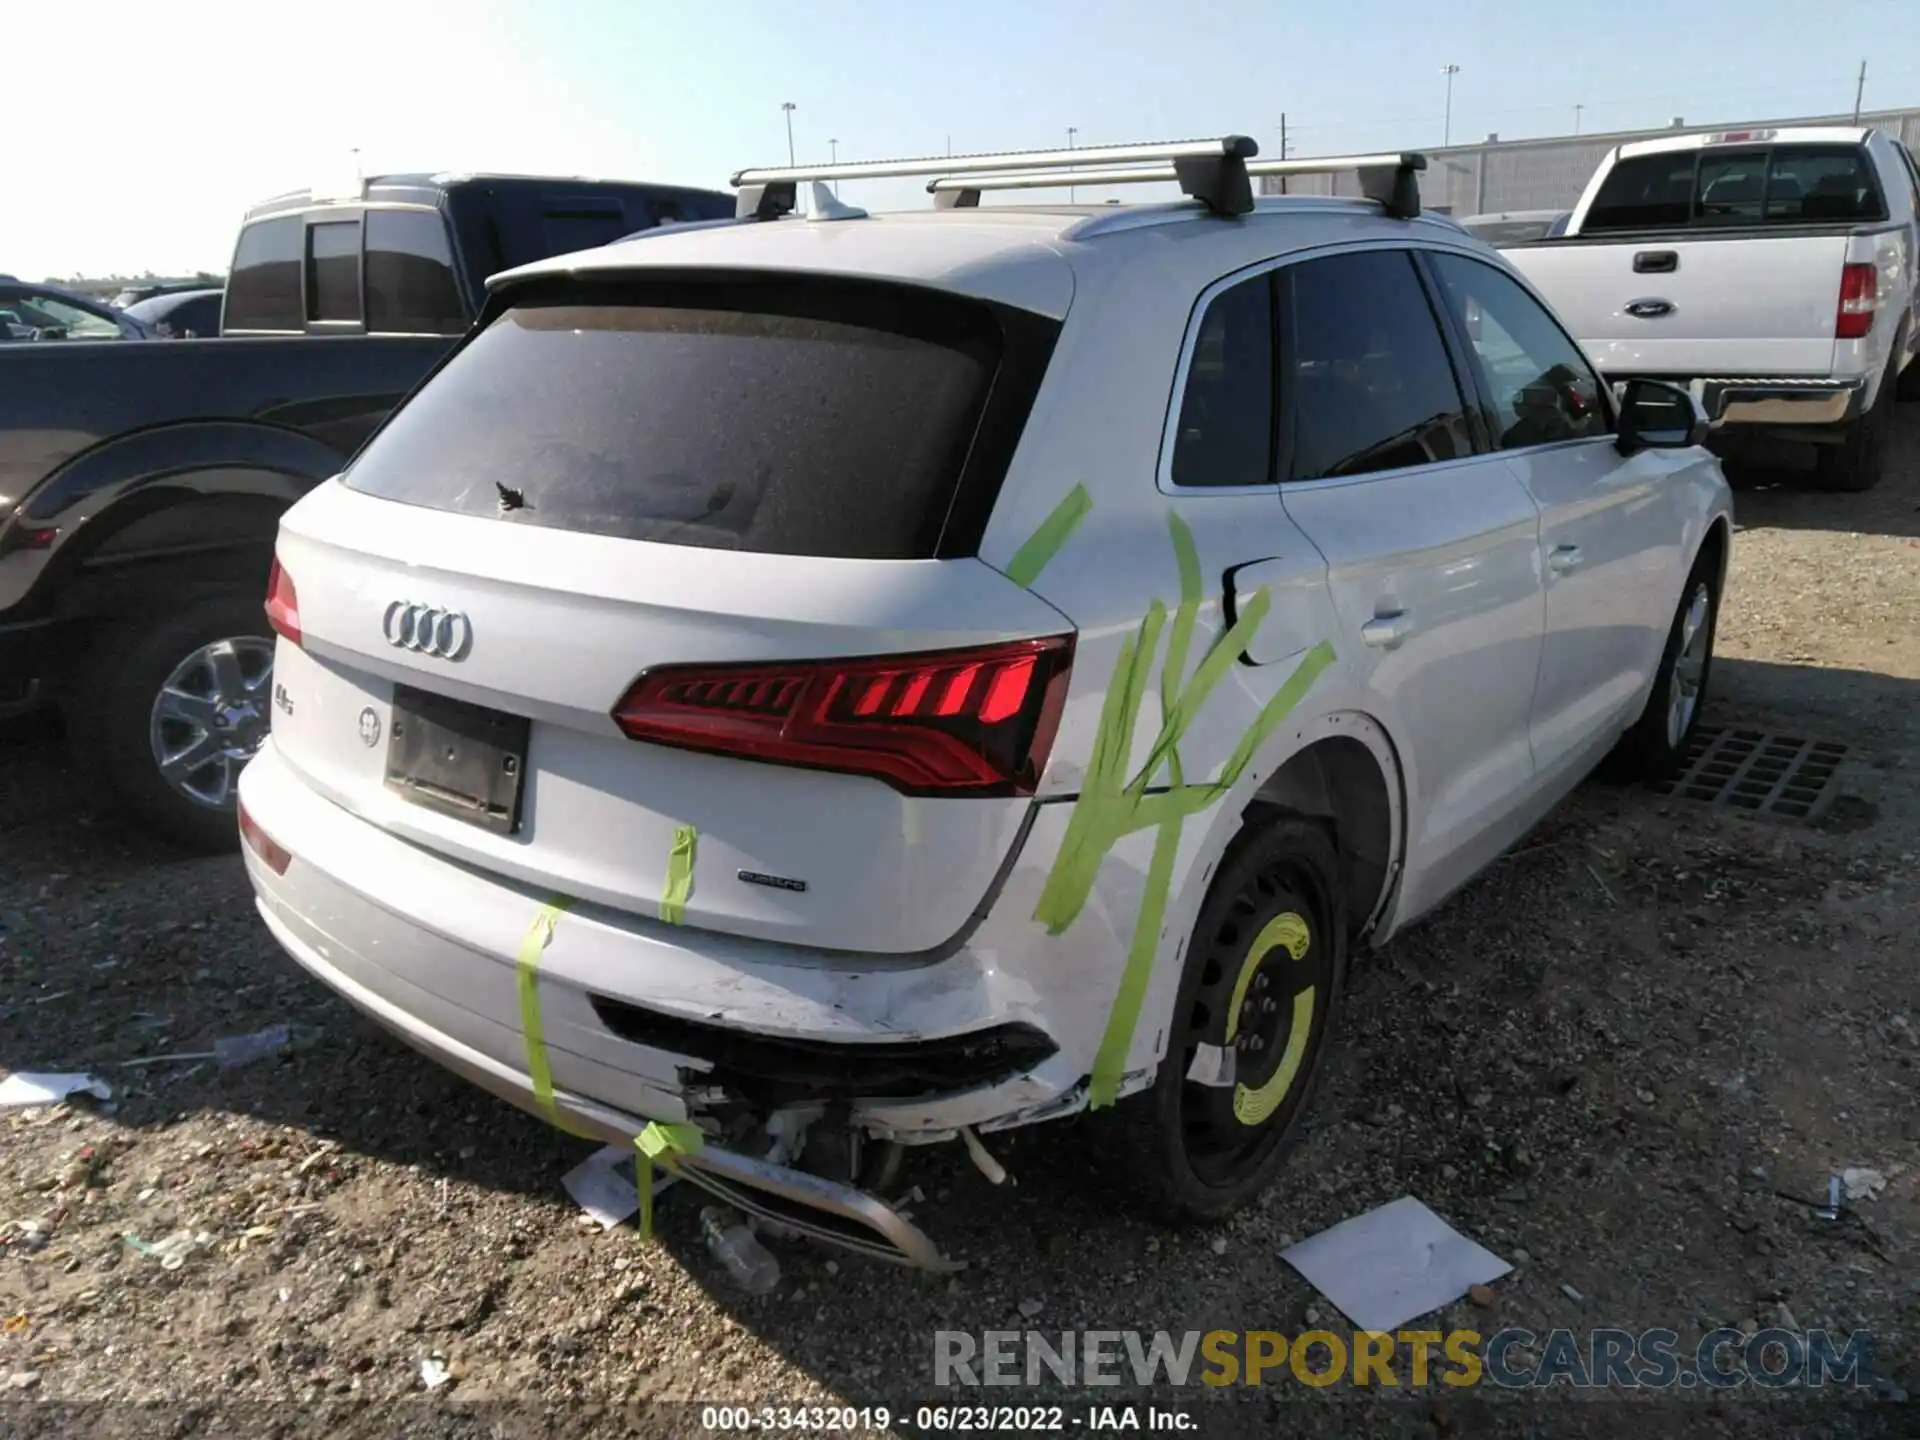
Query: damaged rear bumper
[[644, 1021], [825, 1209]]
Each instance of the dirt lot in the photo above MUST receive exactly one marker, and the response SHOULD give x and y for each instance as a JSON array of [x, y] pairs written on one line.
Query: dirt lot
[[1611, 1061]]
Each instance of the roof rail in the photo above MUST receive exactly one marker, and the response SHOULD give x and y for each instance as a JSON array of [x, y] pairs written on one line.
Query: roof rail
[[1212, 171], [1387, 179]]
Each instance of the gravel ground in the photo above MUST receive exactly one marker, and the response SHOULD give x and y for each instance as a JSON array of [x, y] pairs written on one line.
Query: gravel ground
[[1611, 1060]]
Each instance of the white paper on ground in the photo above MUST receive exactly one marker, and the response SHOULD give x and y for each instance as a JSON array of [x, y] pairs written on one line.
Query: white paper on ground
[[604, 1185], [1386, 1267], [38, 1087]]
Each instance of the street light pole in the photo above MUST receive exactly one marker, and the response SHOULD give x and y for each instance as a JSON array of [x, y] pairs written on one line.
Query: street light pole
[[1449, 71], [1072, 130], [834, 147], [1576, 118], [789, 107]]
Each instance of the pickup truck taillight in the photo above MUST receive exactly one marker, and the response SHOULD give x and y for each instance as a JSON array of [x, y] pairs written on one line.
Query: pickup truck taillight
[[1859, 298], [283, 604]]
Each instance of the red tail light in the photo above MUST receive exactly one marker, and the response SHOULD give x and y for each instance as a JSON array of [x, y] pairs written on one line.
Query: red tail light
[[949, 722], [283, 604], [1859, 298], [275, 856]]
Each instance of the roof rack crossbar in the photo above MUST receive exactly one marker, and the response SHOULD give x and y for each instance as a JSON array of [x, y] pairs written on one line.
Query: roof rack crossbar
[[1213, 171], [1387, 179]]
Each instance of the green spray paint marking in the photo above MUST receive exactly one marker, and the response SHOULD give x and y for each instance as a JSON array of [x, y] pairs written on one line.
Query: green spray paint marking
[[1111, 807], [1031, 558]]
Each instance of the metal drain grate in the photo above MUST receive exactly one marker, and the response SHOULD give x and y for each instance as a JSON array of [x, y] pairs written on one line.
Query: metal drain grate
[[1757, 772]]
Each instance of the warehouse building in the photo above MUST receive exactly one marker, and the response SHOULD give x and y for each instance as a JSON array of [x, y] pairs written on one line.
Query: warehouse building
[[1549, 174]]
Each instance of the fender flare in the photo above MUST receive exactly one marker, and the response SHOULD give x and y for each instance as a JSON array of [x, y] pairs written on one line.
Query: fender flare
[[1230, 817], [253, 458]]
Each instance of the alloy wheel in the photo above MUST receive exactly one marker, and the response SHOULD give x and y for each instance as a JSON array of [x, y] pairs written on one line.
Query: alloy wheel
[[1689, 665], [211, 717]]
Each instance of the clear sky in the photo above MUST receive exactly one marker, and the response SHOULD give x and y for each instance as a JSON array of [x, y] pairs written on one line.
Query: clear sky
[[136, 134]]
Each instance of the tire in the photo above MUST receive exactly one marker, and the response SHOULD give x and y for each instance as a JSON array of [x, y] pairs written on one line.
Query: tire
[[1656, 747], [1856, 463], [213, 658], [1908, 386], [1273, 925]]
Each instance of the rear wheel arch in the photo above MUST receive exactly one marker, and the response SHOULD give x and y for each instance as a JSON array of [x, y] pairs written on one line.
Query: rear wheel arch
[[158, 549], [1343, 770]]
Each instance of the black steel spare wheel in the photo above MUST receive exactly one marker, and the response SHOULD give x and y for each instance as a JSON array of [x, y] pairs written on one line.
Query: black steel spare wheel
[[1261, 983]]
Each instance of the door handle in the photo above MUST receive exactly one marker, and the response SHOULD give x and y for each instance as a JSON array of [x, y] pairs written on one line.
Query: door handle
[[1563, 559], [1656, 262], [1384, 632]]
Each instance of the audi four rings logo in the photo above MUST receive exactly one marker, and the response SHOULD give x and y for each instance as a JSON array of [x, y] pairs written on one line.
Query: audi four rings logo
[[428, 630]]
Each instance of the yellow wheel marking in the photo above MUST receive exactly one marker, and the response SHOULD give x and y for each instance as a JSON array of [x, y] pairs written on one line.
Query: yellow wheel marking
[[1253, 1107], [1286, 930]]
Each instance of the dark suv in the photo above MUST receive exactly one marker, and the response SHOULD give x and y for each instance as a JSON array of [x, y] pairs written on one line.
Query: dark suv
[[141, 485]]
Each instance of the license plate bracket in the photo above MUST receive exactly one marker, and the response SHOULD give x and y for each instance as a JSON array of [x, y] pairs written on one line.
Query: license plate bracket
[[457, 758]]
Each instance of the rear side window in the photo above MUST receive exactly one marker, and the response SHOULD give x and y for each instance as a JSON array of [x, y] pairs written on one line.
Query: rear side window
[[263, 289], [1366, 372], [333, 282], [803, 419], [1781, 185], [1809, 184], [410, 285], [1225, 434]]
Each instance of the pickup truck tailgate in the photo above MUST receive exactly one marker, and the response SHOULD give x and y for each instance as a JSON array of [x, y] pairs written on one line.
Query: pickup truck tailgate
[[1732, 306]]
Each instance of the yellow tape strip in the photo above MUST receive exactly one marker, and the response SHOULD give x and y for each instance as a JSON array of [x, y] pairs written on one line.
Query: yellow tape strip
[[1111, 807], [661, 1141], [673, 900], [1031, 558], [526, 967]]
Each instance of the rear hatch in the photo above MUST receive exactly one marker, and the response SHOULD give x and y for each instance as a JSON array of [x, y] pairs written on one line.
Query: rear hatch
[[1724, 260], [662, 596]]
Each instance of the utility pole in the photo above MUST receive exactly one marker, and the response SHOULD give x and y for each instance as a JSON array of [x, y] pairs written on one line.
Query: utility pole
[[1072, 130], [1859, 88], [789, 107], [1449, 71], [1576, 118], [1283, 148], [834, 147]]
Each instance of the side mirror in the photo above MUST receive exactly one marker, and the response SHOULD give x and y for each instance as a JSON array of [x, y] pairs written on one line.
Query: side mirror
[[1657, 416]]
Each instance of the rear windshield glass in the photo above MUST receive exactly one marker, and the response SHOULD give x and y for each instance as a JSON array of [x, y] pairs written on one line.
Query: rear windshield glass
[[1781, 185], [830, 420]]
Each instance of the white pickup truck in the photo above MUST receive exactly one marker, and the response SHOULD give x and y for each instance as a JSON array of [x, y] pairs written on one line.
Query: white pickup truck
[[1772, 272]]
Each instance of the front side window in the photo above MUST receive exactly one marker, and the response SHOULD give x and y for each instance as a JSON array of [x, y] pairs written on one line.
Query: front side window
[[1365, 372], [333, 253], [410, 285], [263, 289], [1224, 432], [1542, 389]]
